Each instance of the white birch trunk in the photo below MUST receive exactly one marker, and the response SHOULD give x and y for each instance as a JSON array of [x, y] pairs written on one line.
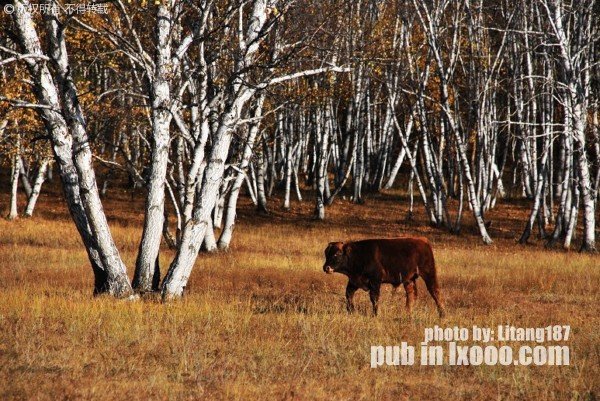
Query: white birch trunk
[[209, 244], [322, 139], [37, 187], [589, 204], [14, 184], [261, 195], [145, 266], [395, 169], [288, 173]]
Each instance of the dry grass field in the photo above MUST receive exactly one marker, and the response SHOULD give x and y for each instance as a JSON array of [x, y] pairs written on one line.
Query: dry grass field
[[264, 322]]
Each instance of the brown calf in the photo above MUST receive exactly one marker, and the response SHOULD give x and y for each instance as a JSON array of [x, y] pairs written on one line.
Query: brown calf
[[370, 263]]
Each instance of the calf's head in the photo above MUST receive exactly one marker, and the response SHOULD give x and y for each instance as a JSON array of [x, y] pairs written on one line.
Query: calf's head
[[336, 257]]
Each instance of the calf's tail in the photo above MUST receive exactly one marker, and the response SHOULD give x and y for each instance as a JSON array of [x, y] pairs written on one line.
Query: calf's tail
[[428, 271]]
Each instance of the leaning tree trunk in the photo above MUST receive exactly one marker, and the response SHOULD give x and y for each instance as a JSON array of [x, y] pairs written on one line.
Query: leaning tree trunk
[[24, 178], [475, 205], [195, 229], [572, 221], [72, 152], [230, 210], [37, 187]]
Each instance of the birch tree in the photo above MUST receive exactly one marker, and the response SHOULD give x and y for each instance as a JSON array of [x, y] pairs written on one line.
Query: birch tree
[[59, 107]]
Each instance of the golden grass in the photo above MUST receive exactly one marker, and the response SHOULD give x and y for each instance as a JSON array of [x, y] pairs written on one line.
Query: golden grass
[[264, 322]]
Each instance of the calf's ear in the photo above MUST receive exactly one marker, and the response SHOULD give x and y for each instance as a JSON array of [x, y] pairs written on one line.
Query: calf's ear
[[347, 249]]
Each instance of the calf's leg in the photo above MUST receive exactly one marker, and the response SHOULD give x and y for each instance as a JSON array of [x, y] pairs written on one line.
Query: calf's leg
[[374, 295], [411, 294], [350, 290]]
